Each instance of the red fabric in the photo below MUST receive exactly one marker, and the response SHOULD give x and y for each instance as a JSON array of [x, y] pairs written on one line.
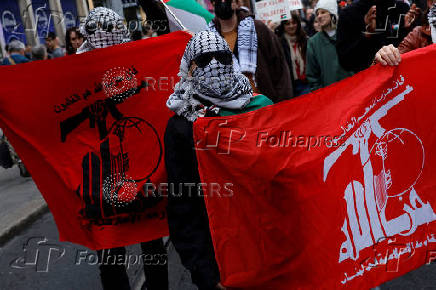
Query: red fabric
[[286, 224], [90, 123]]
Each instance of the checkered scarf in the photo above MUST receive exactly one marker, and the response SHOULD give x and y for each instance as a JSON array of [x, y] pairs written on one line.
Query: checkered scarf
[[102, 28], [432, 15], [432, 21], [210, 88], [247, 45]]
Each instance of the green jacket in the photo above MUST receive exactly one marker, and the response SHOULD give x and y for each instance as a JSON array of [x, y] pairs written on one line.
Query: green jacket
[[323, 68], [259, 101]]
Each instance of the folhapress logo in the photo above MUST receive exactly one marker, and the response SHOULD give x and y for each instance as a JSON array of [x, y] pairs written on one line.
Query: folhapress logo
[[38, 254]]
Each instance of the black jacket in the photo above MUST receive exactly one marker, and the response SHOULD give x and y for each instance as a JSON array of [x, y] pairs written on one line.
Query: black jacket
[[356, 51], [187, 217]]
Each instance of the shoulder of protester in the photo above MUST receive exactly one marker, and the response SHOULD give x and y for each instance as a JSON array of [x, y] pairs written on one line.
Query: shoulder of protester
[[258, 101]]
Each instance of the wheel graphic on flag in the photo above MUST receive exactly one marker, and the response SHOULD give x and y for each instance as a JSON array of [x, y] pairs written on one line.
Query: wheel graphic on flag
[[398, 160]]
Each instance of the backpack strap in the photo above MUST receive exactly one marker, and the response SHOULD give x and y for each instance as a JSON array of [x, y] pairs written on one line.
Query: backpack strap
[[11, 60]]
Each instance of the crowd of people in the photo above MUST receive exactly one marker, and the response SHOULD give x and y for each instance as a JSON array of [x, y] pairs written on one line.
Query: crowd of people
[[237, 65]]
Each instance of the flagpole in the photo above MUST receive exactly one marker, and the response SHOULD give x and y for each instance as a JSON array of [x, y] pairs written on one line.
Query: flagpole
[[173, 15]]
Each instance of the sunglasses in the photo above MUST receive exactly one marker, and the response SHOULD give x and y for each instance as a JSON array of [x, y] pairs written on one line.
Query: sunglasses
[[224, 57]]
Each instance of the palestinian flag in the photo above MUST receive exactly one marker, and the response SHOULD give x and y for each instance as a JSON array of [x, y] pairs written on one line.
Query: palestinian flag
[[190, 6]]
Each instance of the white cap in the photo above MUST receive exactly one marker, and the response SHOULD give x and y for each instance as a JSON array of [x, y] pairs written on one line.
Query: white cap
[[16, 45], [329, 5]]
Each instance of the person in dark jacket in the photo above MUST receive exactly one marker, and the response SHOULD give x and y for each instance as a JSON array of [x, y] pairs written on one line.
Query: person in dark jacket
[[294, 43], [16, 53], [256, 48], [209, 86], [358, 40]]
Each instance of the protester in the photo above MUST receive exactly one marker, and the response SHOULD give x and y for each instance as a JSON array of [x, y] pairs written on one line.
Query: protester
[[323, 67], [16, 53], [8, 156], [99, 33], [103, 28], [39, 52], [358, 41], [294, 42], [256, 50], [73, 40], [53, 48], [421, 36], [308, 21], [209, 86]]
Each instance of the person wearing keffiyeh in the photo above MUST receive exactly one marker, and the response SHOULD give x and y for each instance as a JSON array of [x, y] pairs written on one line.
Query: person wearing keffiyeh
[[103, 28], [210, 85], [256, 49]]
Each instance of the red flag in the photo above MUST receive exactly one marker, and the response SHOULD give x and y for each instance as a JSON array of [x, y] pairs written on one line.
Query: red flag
[[335, 189], [89, 128]]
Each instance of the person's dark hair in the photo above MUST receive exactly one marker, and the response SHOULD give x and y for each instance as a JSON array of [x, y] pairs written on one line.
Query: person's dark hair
[[300, 33], [68, 45], [51, 35], [39, 52]]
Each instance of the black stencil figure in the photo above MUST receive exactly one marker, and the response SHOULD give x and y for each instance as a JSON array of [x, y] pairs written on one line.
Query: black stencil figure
[[105, 177]]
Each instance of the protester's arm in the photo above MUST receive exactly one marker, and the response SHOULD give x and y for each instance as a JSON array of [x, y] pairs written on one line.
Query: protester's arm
[[187, 217], [410, 42], [313, 71], [156, 15], [408, 23]]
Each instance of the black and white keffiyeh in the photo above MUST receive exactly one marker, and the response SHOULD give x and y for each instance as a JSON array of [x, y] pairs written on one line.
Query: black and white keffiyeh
[[432, 15], [212, 87], [102, 28], [247, 45], [432, 21]]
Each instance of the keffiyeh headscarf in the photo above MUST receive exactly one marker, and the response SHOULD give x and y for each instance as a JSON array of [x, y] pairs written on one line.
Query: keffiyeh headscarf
[[432, 21], [247, 44], [212, 87], [102, 28]]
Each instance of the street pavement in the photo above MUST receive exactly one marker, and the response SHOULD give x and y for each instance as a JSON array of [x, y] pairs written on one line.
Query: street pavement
[[31, 257], [59, 265], [20, 202]]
